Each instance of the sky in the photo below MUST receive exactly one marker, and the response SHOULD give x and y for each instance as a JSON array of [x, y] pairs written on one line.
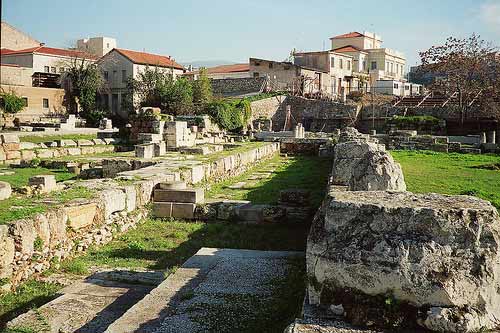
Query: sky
[[231, 30]]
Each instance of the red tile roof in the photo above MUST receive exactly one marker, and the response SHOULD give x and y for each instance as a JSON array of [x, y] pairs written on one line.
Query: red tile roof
[[235, 68], [348, 48], [353, 34], [143, 58], [49, 51]]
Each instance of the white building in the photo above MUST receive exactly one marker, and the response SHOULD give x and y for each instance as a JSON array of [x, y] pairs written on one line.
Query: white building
[[43, 59], [372, 60], [97, 46], [397, 88], [119, 64]]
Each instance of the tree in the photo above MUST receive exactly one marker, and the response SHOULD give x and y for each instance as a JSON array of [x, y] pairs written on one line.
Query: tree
[[202, 91], [469, 67], [11, 102], [158, 88], [82, 81]]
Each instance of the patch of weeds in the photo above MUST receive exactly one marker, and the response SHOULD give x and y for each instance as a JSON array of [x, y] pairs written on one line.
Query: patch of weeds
[[20, 329], [29, 295], [136, 246], [75, 266], [38, 244]]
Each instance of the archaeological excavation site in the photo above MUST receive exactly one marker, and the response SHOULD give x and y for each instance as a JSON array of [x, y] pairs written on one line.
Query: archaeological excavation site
[[177, 226], [338, 190]]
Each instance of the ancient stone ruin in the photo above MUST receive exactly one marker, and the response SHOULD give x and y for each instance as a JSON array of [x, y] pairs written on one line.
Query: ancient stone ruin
[[383, 258]]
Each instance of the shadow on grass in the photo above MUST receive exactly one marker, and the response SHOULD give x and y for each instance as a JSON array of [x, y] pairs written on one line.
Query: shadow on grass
[[306, 173]]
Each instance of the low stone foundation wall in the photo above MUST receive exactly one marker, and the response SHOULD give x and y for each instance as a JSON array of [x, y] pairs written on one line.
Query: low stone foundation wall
[[12, 151], [30, 246]]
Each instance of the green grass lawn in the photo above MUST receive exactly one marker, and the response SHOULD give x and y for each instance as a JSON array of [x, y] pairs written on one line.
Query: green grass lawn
[[307, 173], [21, 176], [427, 171], [49, 138], [21, 207]]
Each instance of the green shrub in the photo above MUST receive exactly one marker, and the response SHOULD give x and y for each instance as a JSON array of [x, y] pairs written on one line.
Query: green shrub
[[414, 122], [11, 102], [230, 115]]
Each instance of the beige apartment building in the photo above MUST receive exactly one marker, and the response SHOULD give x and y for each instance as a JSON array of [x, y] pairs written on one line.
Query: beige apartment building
[[338, 66], [39, 101], [291, 77], [371, 59], [118, 65]]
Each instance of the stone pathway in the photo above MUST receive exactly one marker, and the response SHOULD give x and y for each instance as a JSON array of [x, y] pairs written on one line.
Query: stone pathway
[[252, 181], [90, 305], [216, 290]]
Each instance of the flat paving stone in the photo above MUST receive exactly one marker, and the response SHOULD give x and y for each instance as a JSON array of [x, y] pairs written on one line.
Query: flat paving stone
[[90, 305], [222, 278]]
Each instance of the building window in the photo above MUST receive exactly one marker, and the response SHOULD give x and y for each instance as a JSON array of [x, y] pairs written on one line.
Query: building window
[[396, 86], [45, 103], [348, 65], [270, 65], [341, 64], [106, 75], [332, 62], [392, 67], [107, 45], [46, 69], [374, 65], [124, 76], [364, 65], [25, 100], [114, 76], [53, 70]]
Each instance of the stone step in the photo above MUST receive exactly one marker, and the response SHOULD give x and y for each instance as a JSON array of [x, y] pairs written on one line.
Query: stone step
[[180, 210], [211, 277], [193, 195]]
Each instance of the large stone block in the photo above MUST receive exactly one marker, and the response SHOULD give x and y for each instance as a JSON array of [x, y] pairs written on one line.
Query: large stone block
[[84, 143], [81, 214], [5, 190], [377, 171], [9, 138], [436, 256], [114, 200], [66, 143], [160, 149], [174, 210], [11, 147], [144, 151], [347, 156], [131, 194], [196, 195], [24, 234], [7, 251], [44, 153], [47, 183], [74, 151], [13, 154], [149, 137]]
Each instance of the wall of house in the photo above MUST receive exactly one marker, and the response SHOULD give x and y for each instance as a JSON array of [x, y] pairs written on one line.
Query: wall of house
[[316, 60], [281, 74], [236, 75], [13, 39], [98, 46], [385, 57], [35, 96], [13, 75], [22, 60], [235, 87]]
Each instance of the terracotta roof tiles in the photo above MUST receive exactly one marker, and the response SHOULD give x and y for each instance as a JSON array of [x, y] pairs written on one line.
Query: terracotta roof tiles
[[143, 58]]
